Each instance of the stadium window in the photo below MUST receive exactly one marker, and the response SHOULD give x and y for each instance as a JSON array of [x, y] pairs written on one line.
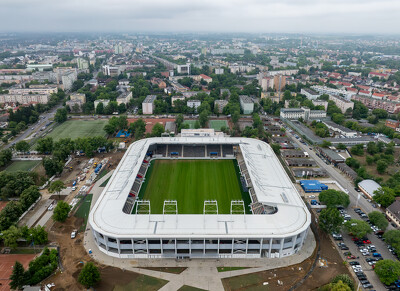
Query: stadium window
[[113, 240]]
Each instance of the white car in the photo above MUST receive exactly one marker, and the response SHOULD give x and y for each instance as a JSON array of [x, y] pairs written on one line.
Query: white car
[[73, 234], [311, 196], [365, 254]]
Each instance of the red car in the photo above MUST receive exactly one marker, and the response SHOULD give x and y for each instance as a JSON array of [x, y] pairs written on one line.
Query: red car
[[354, 239], [367, 241], [351, 257]]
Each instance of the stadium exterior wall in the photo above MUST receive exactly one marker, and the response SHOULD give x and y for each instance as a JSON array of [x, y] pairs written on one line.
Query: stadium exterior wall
[[274, 235]]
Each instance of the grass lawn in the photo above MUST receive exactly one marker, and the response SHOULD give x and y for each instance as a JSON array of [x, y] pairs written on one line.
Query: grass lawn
[[227, 269], [78, 128], [190, 182], [142, 283], [171, 270], [189, 288], [83, 210], [105, 182], [190, 122], [22, 166], [217, 124]]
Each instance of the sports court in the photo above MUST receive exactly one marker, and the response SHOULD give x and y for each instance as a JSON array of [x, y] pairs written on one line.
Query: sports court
[[6, 265], [190, 182], [79, 128], [218, 124], [191, 123]]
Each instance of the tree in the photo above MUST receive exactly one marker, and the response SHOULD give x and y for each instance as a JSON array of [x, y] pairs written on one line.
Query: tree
[[341, 146], [276, 148], [203, 118], [10, 236], [45, 145], [157, 130], [378, 218], [384, 196], [52, 166], [235, 116], [138, 128], [56, 187], [100, 108], [346, 279], [61, 211], [358, 228], [179, 121], [61, 115], [326, 144], [372, 148], [381, 166], [330, 220], [38, 235], [18, 278], [28, 197], [339, 286], [333, 198], [387, 271], [357, 150], [392, 237], [22, 146], [89, 276]]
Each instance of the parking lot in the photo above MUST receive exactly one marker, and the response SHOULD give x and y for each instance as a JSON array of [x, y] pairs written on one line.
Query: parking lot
[[362, 254]]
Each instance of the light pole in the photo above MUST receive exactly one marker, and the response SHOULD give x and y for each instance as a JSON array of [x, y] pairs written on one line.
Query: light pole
[[33, 241]]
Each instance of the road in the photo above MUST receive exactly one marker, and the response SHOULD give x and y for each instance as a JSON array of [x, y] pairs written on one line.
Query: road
[[44, 118], [356, 200]]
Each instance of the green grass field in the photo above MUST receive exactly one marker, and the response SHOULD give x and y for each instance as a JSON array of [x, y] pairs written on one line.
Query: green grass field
[[190, 182], [217, 124], [22, 166], [190, 122], [83, 210], [78, 128]]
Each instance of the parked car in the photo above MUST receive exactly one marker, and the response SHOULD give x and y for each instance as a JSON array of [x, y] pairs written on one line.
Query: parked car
[[74, 233]]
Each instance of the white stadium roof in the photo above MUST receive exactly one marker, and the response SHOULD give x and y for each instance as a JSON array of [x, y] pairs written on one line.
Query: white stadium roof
[[271, 184]]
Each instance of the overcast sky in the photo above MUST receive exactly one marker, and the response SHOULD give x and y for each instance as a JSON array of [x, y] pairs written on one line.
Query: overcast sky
[[308, 16]]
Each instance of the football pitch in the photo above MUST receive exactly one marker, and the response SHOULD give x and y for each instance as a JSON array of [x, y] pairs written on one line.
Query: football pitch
[[190, 182], [79, 128]]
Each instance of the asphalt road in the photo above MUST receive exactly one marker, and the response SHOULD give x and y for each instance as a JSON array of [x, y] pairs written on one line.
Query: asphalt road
[[36, 127]]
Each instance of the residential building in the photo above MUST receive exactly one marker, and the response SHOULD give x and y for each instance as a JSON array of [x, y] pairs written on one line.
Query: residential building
[[309, 93], [247, 104], [321, 103], [394, 124], [393, 212], [148, 104], [78, 97], [103, 101], [183, 69], [267, 83], [34, 89], [279, 82], [221, 104], [110, 71], [219, 71], [368, 187], [341, 130], [304, 113], [332, 156], [125, 97], [176, 97], [39, 67], [82, 64], [349, 172], [206, 78], [24, 98], [391, 107], [335, 92], [160, 83], [193, 104], [342, 103]]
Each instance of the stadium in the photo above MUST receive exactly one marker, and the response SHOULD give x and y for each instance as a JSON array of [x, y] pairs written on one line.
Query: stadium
[[203, 196]]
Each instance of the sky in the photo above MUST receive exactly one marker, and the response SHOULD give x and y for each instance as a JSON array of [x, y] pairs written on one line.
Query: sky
[[265, 16]]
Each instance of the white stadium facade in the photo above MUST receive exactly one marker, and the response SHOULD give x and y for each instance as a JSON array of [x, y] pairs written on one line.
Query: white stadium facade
[[277, 226]]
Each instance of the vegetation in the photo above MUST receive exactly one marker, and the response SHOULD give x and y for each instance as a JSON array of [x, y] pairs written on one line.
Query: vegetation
[[89, 275], [333, 198], [330, 220], [61, 211], [388, 271], [358, 228], [378, 218], [392, 237]]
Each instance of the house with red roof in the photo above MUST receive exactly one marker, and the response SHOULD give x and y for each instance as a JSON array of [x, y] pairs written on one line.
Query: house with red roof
[[379, 75], [364, 93], [378, 95], [206, 78]]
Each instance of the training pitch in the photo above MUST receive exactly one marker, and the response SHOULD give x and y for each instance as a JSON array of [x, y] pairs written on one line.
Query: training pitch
[[79, 128], [190, 182]]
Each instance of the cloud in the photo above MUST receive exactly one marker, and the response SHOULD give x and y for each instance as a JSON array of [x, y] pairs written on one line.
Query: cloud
[[329, 16]]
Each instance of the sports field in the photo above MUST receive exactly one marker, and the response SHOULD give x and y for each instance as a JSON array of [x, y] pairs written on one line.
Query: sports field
[[190, 122], [190, 182], [217, 124], [22, 166], [79, 128]]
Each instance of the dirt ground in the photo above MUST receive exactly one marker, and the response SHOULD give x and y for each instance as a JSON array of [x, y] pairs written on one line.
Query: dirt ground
[[6, 264], [289, 276]]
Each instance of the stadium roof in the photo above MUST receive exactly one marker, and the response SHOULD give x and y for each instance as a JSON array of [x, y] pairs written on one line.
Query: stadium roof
[[271, 184]]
